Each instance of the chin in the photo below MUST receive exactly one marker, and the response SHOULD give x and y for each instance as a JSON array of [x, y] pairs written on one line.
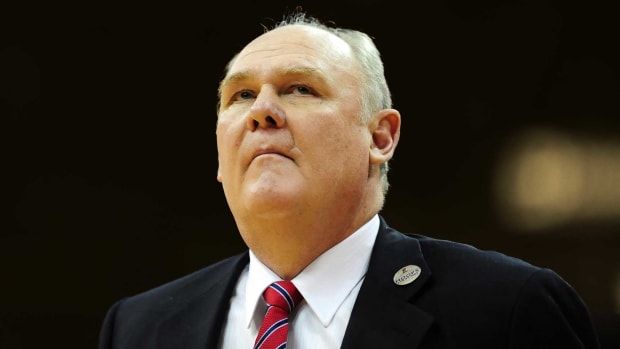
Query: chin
[[270, 201]]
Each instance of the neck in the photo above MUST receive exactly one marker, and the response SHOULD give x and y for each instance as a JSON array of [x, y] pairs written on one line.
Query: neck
[[287, 248], [288, 242]]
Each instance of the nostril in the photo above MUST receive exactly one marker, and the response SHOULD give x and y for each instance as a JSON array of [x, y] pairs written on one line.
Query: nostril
[[255, 124], [270, 120]]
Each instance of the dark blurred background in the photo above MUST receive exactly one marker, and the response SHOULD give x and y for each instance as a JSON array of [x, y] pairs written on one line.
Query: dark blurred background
[[510, 141]]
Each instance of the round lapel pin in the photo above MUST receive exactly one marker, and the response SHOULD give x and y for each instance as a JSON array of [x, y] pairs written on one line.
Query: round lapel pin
[[407, 274]]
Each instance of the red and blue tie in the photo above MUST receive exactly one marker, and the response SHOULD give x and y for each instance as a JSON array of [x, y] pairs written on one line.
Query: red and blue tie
[[281, 297]]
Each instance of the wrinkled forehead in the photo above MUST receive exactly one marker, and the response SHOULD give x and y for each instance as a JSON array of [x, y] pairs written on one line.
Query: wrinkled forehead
[[294, 41]]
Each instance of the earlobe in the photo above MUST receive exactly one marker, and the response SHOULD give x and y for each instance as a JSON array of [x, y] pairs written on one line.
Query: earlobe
[[385, 135]]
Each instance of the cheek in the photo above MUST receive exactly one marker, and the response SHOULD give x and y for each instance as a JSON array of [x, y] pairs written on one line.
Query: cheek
[[342, 149], [227, 147], [228, 133], [349, 138]]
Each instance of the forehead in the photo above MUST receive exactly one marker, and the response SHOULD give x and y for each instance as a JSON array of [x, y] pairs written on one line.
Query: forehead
[[294, 45]]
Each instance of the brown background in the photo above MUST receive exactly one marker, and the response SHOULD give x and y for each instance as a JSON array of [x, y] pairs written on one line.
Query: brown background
[[108, 112]]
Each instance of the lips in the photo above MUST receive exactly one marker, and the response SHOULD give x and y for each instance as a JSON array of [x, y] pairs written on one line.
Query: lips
[[269, 151], [279, 146]]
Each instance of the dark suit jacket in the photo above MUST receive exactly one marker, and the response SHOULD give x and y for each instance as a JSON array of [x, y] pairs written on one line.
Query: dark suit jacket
[[463, 298]]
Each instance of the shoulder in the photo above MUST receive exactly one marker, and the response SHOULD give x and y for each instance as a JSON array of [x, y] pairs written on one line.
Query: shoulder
[[469, 259], [185, 289], [486, 273], [177, 306], [502, 297], [477, 273], [456, 258]]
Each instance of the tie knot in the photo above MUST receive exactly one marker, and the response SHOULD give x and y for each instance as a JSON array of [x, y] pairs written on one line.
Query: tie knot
[[282, 294]]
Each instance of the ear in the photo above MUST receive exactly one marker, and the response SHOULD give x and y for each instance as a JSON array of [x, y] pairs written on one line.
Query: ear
[[385, 130]]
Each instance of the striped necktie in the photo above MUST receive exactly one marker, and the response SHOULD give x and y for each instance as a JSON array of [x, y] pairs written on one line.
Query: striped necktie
[[281, 297]]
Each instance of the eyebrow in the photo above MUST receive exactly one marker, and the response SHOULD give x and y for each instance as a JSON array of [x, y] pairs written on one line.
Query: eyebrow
[[294, 71]]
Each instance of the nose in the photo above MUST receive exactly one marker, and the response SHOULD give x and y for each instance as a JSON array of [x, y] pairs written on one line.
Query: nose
[[266, 111]]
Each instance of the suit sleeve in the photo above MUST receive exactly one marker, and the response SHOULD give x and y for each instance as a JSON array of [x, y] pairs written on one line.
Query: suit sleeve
[[550, 314]]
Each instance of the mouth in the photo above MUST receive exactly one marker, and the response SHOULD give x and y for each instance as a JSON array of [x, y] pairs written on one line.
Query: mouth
[[269, 152]]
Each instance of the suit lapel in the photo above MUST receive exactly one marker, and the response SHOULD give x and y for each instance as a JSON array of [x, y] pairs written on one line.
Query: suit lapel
[[198, 323], [383, 316]]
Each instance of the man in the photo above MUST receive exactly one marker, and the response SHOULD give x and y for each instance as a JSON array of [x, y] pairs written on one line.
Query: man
[[305, 132]]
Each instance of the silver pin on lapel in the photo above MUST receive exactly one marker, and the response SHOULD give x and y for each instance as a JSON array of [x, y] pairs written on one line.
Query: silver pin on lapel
[[407, 274]]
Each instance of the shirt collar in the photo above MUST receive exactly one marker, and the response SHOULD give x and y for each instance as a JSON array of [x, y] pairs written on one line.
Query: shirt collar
[[327, 281]]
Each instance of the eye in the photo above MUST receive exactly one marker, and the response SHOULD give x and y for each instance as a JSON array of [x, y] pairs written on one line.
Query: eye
[[244, 95], [240, 96], [302, 90]]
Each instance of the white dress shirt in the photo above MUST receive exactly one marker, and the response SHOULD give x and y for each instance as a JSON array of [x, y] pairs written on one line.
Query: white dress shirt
[[329, 286]]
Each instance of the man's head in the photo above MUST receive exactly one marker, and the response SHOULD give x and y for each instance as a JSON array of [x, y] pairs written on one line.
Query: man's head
[[304, 128]]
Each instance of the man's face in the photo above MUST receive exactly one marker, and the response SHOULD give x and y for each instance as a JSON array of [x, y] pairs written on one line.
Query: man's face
[[289, 136]]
